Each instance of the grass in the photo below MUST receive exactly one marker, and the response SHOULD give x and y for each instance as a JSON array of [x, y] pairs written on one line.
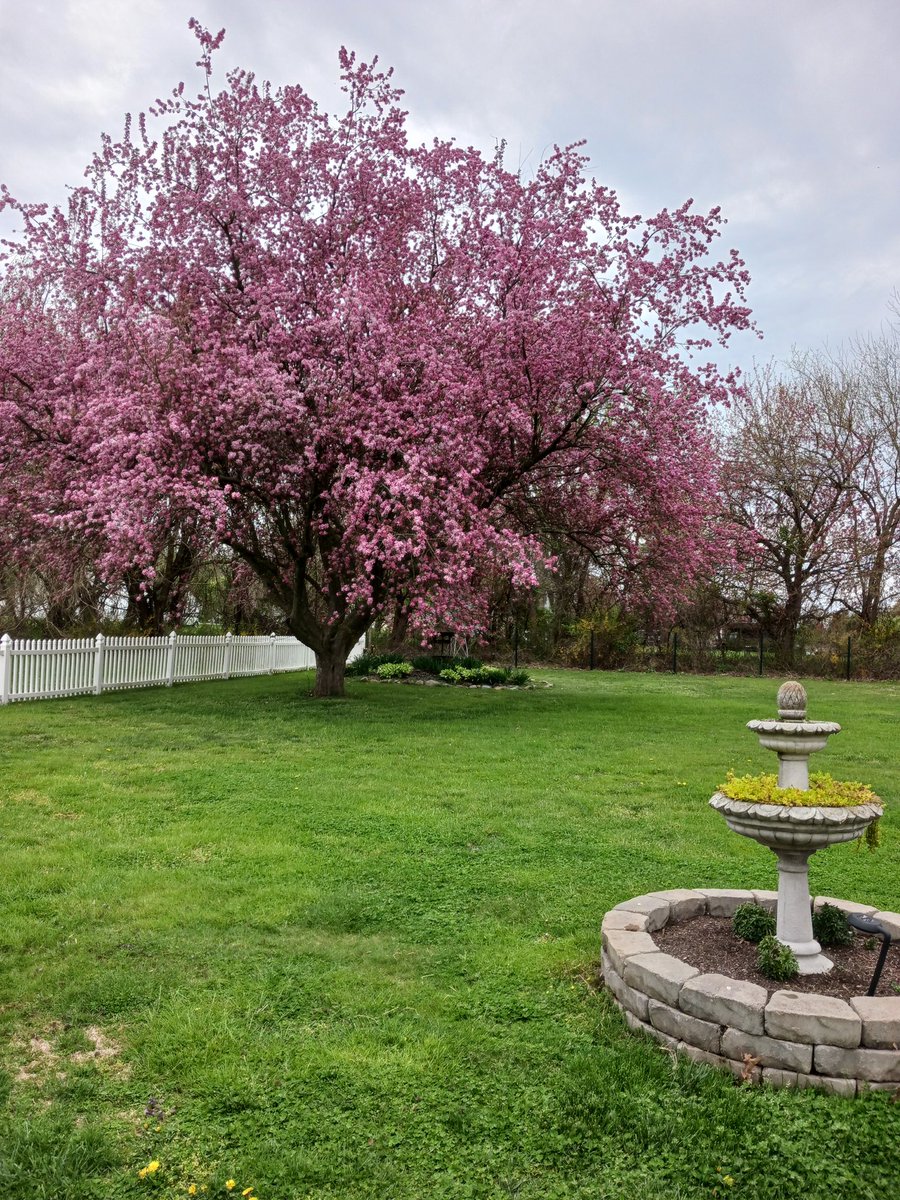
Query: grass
[[343, 949]]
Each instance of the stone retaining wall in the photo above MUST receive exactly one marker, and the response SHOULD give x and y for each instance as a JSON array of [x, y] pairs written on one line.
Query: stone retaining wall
[[800, 1039]]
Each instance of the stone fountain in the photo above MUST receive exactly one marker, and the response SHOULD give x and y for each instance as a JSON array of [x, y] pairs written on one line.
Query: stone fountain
[[795, 833]]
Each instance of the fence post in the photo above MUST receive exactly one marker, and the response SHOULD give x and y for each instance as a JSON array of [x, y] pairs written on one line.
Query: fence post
[[99, 656], [593, 652], [848, 658], [226, 665], [5, 667], [675, 654], [272, 657], [170, 659], [761, 650]]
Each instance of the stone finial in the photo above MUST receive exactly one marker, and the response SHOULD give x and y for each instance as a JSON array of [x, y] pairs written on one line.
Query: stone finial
[[792, 701]]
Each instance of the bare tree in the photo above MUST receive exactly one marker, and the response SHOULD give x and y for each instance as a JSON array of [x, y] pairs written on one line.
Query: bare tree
[[791, 455]]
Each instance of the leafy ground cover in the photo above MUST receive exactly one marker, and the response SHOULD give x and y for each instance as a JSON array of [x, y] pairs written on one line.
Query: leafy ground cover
[[345, 948]]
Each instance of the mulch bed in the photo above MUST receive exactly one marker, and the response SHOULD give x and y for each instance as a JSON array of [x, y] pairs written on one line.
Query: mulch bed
[[709, 944]]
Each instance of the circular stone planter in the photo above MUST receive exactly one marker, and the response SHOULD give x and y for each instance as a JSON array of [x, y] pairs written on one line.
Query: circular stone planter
[[787, 1039]]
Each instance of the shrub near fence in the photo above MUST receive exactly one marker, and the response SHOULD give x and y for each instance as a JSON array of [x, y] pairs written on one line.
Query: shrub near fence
[[47, 668]]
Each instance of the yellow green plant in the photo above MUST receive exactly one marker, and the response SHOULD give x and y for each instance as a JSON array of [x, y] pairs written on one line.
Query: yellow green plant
[[824, 792]]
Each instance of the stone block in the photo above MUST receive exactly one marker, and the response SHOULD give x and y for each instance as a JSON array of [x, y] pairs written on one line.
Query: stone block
[[822, 1083], [637, 1026], [632, 922], [880, 1016], [635, 1002], [891, 922], [621, 944], [827, 1083], [702, 1034], [721, 902], [701, 1057], [806, 1017], [879, 1066], [658, 975], [778, 1078], [653, 908], [771, 1052], [866, 1086], [725, 1001], [847, 906], [767, 900], [683, 902]]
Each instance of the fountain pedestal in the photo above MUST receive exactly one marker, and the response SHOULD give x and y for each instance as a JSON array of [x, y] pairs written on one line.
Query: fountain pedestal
[[794, 912]]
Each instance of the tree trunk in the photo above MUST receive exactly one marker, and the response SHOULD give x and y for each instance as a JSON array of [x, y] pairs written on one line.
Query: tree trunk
[[786, 647], [399, 625], [331, 664]]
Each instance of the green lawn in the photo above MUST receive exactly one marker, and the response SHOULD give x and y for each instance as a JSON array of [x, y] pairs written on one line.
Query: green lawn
[[343, 948]]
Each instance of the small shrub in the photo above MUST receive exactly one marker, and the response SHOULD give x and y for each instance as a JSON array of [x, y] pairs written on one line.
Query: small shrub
[[368, 664], [491, 676], [830, 927], [394, 670], [752, 922], [434, 665], [775, 960]]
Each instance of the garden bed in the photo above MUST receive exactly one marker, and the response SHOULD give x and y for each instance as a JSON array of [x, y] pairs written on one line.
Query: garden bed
[[794, 1036], [709, 942]]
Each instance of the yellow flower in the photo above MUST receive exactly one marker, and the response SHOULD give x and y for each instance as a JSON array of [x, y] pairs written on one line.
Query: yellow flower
[[247, 1191], [726, 1179], [192, 1190], [153, 1167], [229, 1183], [142, 1173]]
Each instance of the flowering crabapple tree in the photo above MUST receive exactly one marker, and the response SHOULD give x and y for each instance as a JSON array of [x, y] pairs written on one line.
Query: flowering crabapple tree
[[375, 370]]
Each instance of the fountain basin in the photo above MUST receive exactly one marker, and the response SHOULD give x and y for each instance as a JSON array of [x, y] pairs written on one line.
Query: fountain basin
[[781, 826]]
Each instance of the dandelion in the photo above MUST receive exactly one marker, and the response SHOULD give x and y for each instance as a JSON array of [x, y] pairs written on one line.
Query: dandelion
[[728, 1181], [230, 1184], [153, 1167], [247, 1191], [192, 1190]]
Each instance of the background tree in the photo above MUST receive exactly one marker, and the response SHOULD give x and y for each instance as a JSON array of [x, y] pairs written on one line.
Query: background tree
[[869, 372], [791, 459], [363, 365]]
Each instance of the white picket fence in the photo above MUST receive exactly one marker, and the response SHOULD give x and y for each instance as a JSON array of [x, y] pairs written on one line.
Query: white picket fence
[[46, 668]]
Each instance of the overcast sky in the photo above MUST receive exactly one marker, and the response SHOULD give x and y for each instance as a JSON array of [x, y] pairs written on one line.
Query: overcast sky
[[786, 113]]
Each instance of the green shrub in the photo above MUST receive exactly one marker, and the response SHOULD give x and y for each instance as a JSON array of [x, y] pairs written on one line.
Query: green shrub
[[491, 676], [752, 922], [394, 670], [368, 664], [775, 960], [434, 665], [830, 927]]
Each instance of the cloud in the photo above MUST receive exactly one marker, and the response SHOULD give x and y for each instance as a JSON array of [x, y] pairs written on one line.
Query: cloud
[[785, 115]]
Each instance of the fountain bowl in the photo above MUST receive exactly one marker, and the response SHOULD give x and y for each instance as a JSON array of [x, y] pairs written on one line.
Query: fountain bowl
[[785, 827]]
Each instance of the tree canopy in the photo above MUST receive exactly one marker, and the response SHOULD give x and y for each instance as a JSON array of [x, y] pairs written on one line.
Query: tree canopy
[[377, 371]]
